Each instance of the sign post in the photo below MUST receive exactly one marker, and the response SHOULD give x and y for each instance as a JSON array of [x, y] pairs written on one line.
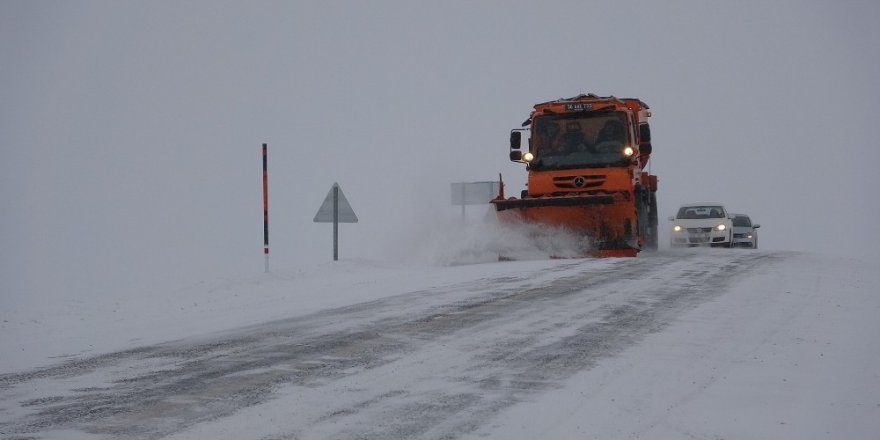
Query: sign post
[[473, 193], [335, 209]]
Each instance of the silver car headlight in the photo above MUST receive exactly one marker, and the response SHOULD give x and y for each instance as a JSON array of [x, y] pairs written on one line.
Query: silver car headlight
[[721, 227]]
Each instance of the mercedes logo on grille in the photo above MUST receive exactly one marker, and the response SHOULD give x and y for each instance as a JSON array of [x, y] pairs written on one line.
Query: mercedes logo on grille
[[578, 181]]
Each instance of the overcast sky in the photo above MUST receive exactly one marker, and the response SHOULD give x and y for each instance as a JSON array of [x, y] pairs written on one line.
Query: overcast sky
[[130, 132]]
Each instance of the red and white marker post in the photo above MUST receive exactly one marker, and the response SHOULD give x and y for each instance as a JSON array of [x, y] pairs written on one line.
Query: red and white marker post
[[265, 207]]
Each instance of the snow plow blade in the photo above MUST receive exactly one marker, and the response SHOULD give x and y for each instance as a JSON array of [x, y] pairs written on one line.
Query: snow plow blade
[[503, 205], [606, 221]]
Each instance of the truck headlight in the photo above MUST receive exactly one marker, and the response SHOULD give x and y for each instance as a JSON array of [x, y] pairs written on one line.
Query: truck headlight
[[676, 228], [528, 157], [628, 151], [721, 227]]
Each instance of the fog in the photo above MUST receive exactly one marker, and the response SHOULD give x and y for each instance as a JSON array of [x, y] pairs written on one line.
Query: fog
[[131, 132]]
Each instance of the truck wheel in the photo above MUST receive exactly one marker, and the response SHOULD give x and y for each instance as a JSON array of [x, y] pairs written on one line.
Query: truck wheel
[[652, 222]]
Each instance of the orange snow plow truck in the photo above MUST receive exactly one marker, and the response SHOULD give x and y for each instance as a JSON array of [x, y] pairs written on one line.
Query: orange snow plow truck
[[586, 161]]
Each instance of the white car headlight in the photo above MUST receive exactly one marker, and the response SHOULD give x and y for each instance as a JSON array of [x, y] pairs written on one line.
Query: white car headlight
[[676, 228], [721, 227]]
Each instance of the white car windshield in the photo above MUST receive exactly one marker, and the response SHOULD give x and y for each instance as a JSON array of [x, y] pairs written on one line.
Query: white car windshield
[[694, 212]]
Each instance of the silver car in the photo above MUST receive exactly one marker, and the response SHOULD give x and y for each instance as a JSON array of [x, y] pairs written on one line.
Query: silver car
[[745, 233]]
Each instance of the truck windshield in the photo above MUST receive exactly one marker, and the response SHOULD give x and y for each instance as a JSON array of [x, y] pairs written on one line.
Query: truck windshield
[[578, 141]]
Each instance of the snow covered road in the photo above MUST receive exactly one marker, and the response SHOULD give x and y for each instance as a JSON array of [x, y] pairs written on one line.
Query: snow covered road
[[652, 347]]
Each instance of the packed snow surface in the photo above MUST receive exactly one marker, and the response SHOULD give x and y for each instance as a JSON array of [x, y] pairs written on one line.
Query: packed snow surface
[[693, 344]]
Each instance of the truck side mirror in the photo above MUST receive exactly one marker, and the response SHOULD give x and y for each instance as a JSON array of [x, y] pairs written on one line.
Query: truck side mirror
[[645, 139], [515, 140], [644, 134]]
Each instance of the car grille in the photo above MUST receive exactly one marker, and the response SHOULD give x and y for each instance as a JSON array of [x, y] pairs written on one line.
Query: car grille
[[699, 235], [699, 230], [740, 235]]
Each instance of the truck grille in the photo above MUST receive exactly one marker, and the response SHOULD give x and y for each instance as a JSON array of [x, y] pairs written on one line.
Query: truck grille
[[578, 182]]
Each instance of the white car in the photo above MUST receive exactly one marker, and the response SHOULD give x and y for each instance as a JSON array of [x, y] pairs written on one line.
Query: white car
[[745, 232], [702, 224]]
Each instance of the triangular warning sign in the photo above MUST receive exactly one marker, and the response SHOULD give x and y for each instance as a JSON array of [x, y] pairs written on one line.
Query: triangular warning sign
[[345, 213]]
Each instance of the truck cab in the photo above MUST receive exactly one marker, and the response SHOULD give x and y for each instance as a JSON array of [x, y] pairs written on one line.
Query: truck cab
[[585, 135]]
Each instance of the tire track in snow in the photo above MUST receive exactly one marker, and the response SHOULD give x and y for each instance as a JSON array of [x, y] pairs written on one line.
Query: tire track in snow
[[465, 358]]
